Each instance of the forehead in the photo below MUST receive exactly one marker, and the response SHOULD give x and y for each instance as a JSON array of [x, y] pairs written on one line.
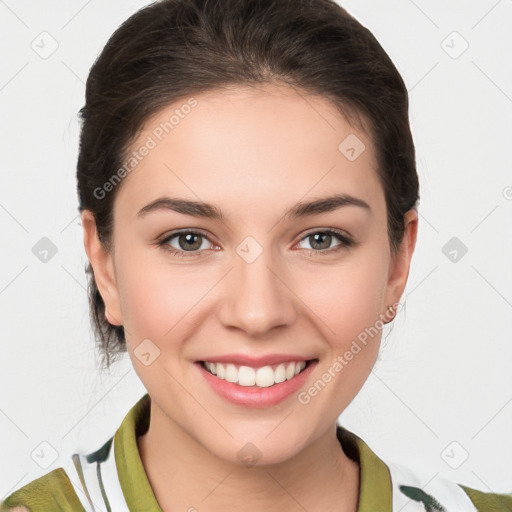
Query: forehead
[[250, 146]]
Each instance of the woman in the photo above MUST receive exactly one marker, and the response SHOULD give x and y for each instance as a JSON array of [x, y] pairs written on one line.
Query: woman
[[248, 194]]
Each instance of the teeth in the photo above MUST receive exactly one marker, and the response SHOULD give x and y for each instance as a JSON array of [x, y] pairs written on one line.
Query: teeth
[[231, 374], [246, 376], [290, 371], [263, 377], [280, 374]]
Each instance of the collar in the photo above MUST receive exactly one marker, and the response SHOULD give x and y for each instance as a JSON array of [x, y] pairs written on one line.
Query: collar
[[374, 477]]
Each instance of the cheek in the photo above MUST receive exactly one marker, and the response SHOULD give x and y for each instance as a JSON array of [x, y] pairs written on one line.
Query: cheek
[[348, 309], [155, 300], [158, 305], [346, 298]]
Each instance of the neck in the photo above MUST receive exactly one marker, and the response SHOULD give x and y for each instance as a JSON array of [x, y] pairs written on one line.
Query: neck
[[186, 476]]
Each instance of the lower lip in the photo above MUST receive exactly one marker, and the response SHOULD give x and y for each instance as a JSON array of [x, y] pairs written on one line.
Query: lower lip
[[253, 396]]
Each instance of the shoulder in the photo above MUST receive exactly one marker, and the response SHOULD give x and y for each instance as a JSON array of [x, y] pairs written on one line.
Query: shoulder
[[52, 492], [69, 488], [438, 493], [85, 483]]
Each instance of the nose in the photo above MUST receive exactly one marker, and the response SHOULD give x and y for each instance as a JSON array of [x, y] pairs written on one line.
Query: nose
[[257, 298]]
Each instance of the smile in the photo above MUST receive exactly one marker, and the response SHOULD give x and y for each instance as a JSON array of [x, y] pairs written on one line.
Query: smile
[[262, 377]]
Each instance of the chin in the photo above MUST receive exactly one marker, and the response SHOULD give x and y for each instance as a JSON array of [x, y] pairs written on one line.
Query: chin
[[249, 455], [256, 450]]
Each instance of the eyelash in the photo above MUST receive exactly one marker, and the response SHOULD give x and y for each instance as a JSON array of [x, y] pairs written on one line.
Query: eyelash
[[346, 242]]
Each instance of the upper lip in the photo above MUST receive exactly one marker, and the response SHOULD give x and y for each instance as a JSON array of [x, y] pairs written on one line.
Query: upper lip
[[267, 360]]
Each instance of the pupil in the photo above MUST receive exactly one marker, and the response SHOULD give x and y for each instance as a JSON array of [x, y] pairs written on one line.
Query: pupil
[[327, 237], [187, 239]]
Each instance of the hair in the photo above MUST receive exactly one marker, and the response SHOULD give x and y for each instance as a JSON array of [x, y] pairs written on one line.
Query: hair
[[172, 49]]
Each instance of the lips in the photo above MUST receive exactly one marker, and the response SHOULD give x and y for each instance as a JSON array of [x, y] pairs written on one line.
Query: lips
[[257, 396]]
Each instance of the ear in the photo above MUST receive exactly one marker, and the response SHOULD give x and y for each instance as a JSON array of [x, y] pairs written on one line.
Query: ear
[[102, 263], [401, 260]]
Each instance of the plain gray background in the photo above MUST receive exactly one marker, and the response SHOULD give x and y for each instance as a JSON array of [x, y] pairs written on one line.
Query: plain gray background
[[440, 395]]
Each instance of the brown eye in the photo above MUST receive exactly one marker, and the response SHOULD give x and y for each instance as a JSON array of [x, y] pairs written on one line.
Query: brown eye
[[184, 242], [321, 241], [189, 241]]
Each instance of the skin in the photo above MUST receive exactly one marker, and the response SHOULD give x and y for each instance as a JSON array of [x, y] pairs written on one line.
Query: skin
[[253, 153]]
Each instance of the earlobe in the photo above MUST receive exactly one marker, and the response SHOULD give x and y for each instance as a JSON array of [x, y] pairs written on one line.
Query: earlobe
[[401, 261], [102, 263]]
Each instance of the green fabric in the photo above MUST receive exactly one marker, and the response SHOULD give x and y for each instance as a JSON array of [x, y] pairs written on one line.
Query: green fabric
[[375, 481], [48, 493], [489, 502], [374, 478], [132, 476]]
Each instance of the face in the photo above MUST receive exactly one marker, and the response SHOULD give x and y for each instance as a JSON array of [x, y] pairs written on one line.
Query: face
[[263, 279]]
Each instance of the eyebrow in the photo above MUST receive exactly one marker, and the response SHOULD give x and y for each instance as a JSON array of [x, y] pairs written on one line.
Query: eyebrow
[[206, 210]]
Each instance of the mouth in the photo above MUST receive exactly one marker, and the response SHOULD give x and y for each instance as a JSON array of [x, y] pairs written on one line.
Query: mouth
[[257, 377]]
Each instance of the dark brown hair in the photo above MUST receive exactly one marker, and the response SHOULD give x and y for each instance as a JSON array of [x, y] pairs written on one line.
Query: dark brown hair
[[173, 49]]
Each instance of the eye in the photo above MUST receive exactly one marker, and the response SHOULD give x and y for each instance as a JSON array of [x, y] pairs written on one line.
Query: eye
[[321, 240], [187, 242], [192, 243]]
